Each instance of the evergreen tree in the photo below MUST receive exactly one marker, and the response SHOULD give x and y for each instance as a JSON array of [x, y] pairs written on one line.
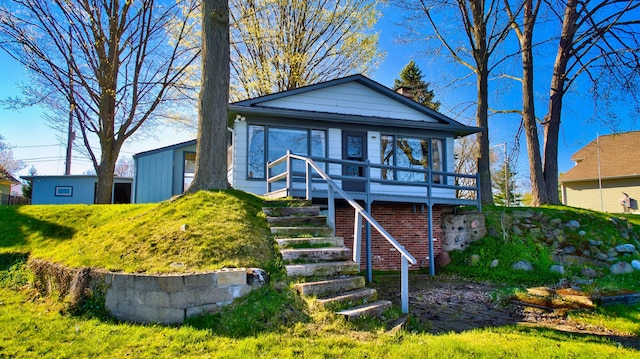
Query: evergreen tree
[[412, 78], [499, 181]]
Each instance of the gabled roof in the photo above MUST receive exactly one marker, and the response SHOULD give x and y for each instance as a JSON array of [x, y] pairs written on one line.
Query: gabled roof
[[170, 147], [618, 156], [275, 105], [6, 177]]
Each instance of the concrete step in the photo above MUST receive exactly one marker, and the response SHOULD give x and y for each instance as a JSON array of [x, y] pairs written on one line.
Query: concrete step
[[351, 297], [291, 211], [316, 254], [329, 286], [322, 269], [373, 309], [296, 221], [298, 231], [314, 242]]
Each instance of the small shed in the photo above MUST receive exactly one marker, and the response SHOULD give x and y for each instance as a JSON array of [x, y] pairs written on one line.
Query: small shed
[[75, 189]]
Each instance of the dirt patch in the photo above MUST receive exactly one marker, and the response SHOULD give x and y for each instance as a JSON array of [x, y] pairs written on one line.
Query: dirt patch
[[448, 304]]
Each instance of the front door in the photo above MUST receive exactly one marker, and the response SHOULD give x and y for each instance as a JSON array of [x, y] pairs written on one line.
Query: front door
[[354, 148]]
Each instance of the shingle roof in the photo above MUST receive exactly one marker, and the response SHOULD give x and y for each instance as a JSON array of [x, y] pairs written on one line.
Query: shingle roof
[[619, 156], [7, 177]]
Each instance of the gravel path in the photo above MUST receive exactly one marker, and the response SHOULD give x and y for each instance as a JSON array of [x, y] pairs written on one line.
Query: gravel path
[[446, 304]]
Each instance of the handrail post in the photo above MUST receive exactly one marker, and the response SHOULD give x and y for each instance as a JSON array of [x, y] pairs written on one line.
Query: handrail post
[[368, 226], [288, 173], [404, 285], [478, 194], [331, 215], [308, 174], [357, 237]]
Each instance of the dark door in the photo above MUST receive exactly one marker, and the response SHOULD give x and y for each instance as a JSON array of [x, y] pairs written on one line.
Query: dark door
[[354, 147]]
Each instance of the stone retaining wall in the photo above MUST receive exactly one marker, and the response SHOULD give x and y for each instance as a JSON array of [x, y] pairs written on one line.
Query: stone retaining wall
[[170, 299]]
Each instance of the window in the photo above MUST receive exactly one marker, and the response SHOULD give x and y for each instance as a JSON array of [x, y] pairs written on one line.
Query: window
[[64, 191], [410, 152], [189, 169], [278, 141]]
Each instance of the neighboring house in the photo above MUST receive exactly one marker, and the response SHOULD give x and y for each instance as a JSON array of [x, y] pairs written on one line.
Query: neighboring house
[[376, 144], [75, 189], [7, 181], [606, 176]]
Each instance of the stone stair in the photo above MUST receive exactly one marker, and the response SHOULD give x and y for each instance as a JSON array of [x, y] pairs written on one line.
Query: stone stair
[[321, 262]]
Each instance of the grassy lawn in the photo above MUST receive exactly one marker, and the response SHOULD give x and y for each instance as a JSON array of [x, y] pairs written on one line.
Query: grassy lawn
[[227, 229], [222, 229]]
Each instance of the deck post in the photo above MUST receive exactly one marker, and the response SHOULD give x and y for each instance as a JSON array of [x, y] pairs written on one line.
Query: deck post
[[432, 261], [368, 227], [289, 189], [404, 284]]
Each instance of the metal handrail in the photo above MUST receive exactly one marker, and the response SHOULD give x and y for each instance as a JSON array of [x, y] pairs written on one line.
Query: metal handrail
[[360, 213]]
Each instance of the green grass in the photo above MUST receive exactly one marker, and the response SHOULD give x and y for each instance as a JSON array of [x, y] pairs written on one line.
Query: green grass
[[34, 327], [224, 228]]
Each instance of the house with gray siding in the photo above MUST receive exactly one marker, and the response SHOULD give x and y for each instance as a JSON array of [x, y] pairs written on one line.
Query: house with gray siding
[[385, 150]]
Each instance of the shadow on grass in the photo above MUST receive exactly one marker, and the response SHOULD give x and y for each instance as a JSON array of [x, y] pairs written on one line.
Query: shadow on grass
[[9, 259], [18, 226], [445, 304]]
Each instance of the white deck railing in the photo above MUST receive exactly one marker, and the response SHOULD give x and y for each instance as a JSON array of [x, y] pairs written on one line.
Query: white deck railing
[[360, 213]]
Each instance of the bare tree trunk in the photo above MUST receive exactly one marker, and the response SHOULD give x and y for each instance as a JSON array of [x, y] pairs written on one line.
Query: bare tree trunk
[[211, 148], [538, 189], [482, 138], [552, 119]]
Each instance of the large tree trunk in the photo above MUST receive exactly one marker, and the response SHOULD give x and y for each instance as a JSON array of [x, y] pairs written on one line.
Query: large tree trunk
[[538, 189], [211, 149], [482, 138], [552, 118]]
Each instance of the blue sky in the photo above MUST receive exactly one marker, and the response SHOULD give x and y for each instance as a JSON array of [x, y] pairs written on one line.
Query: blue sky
[[38, 144]]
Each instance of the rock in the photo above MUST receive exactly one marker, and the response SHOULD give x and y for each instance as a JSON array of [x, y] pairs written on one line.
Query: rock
[[522, 265], [442, 259], [556, 268], [635, 264], [582, 233], [621, 268], [593, 249], [612, 252], [516, 230], [569, 250], [535, 231], [474, 260], [602, 256], [582, 281], [184, 227], [572, 224], [257, 277], [586, 253], [593, 242], [624, 234], [588, 272], [522, 214], [555, 222], [625, 248], [494, 263]]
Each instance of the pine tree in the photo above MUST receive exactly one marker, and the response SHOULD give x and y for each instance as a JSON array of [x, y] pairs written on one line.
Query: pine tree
[[499, 181], [412, 78]]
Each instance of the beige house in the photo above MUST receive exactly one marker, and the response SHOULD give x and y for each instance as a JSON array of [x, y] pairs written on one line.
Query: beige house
[[606, 176], [6, 182]]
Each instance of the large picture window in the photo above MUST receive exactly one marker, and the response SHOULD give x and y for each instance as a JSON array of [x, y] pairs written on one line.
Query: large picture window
[[189, 169], [410, 152], [270, 143]]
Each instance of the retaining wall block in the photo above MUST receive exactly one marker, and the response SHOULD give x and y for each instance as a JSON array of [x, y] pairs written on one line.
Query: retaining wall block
[[145, 282], [184, 299], [170, 316], [158, 299], [239, 291], [117, 281], [232, 276], [171, 283], [216, 295], [200, 310], [134, 297], [204, 280]]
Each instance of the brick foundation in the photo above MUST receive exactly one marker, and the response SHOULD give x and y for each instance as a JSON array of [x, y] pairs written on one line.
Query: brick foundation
[[407, 223]]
